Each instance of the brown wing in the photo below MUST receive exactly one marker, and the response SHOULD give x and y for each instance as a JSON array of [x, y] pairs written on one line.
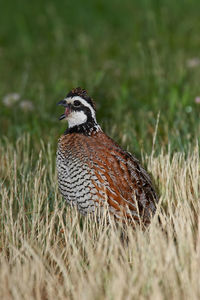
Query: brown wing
[[127, 185]]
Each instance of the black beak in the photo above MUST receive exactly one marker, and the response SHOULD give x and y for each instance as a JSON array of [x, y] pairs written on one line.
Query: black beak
[[62, 117], [63, 103], [67, 108]]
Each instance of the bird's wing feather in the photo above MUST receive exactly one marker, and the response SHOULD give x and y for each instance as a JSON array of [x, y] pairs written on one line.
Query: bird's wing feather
[[126, 183]]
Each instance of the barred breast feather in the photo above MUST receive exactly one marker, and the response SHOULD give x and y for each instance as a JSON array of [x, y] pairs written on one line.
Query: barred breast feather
[[94, 170]]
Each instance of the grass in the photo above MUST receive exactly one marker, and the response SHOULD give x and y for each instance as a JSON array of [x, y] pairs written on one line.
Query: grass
[[48, 251], [140, 62], [134, 57]]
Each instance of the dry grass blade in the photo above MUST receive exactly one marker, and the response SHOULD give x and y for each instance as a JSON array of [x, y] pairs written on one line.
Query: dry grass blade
[[48, 251]]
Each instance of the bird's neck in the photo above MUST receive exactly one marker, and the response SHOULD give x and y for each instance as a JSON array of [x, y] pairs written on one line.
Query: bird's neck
[[86, 128]]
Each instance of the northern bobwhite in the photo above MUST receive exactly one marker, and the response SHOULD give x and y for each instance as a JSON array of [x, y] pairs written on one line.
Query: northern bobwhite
[[93, 170]]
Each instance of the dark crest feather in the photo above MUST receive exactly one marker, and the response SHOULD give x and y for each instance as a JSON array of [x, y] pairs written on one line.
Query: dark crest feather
[[83, 94]]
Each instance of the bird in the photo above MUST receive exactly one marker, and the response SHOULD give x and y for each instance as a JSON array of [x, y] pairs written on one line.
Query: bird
[[94, 172]]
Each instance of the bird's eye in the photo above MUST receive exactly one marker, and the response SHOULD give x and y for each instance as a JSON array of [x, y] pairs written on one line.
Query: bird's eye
[[77, 103]]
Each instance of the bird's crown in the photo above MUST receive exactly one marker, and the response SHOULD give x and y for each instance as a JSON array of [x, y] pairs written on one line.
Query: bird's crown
[[81, 93]]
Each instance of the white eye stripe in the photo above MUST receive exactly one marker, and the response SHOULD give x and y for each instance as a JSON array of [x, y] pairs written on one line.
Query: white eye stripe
[[84, 102]]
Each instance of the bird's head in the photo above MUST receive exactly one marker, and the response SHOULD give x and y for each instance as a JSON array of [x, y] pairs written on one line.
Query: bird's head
[[80, 110]]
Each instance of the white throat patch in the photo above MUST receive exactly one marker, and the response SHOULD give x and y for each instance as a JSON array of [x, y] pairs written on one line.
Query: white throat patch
[[76, 118]]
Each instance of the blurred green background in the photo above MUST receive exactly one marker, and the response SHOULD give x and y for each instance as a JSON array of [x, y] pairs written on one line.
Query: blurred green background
[[135, 58]]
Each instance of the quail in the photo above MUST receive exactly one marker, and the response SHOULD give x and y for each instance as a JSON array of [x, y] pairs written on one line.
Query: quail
[[94, 172]]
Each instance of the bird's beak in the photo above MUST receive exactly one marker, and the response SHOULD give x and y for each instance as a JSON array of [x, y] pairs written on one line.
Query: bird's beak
[[67, 109], [62, 117], [62, 102]]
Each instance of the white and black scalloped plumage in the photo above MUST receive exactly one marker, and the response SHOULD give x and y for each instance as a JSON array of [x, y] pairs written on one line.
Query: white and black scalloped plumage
[[93, 170]]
